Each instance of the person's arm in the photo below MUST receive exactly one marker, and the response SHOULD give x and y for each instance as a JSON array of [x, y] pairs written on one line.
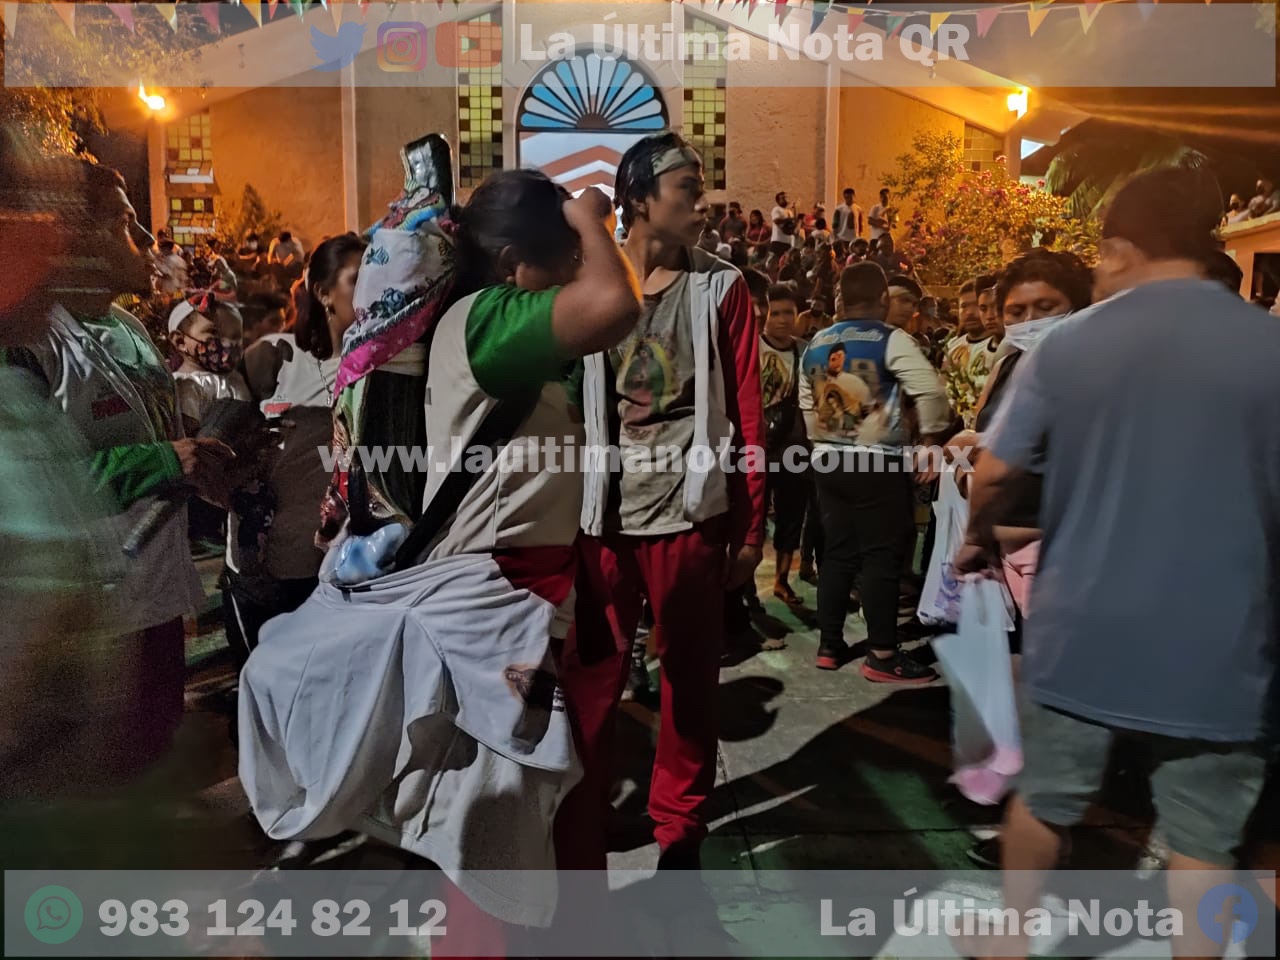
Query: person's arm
[[920, 381], [779, 215], [1009, 446], [740, 352], [518, 339], [139, 470], [602, 303]]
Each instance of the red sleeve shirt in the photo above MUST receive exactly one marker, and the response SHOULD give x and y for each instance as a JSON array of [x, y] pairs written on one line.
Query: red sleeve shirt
[[739, 348]]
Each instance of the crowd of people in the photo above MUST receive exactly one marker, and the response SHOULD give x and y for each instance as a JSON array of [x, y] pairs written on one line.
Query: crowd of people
[[1264, 202], [820, 350]]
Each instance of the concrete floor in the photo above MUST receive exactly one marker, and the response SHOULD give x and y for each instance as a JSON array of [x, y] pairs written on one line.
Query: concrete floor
[[817, 771]]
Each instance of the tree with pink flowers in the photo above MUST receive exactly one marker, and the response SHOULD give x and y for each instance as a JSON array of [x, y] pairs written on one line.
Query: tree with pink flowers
[[957, 224]]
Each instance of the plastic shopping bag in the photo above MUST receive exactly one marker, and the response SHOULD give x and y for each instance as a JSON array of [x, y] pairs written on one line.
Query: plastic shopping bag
[[985, 742], [940, 596]]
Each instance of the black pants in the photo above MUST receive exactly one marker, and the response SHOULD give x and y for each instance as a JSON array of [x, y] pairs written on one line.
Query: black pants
[[789, 493], [249, 602], [811, 539], [864, 508]]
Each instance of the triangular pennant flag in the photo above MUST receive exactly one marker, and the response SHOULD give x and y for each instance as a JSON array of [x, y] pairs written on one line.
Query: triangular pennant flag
[[271, 8], [299, 7], [893, 24], [1146, 8], [10, 19], [335, 11], [67, 14], [855, 20], [1035, 18], [936, 20], [364, 8], [820, 10], [780, 9], [255, 10], [123, 12], [1089, 13], [212, 16], [751, 7], [986, 17], [170, 13]]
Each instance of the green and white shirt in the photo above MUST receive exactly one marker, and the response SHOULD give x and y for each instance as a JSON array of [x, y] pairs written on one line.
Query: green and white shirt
[[498, 345]]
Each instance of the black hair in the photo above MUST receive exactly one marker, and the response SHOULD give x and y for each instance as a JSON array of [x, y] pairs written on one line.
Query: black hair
[[518, 209], [757, 284], [1221, 267], [101, 184], [285, 236], [1060, 269], [849, 190], [860, 244], [635, 180], [985, 282], [863, 284], [327, 261], [779, 195], [902, 280], [1168, 214], [739, 254], [969, 286], [258, 306], [213, 244], [755, 213], [784, 291], [884, 189], [819, 223]]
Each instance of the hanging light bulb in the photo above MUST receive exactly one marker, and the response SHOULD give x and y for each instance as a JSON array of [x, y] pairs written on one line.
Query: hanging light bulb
[[153, 100]]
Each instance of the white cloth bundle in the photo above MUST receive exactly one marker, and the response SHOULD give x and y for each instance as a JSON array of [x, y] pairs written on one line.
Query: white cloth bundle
[[423, 709]]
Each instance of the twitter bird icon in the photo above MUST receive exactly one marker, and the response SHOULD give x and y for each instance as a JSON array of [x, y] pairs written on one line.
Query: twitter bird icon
[[336, 52]]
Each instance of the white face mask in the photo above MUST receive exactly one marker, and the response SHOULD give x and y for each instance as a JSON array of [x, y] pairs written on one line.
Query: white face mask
[[1024, 336]]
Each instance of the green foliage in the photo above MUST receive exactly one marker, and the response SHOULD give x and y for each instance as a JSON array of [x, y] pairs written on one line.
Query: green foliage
[[964, 224], [249, 215], [1089, 168]]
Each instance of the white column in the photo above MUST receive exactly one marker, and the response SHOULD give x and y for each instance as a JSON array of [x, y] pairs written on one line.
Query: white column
[[350, 155], [831, 143], [510, 95]]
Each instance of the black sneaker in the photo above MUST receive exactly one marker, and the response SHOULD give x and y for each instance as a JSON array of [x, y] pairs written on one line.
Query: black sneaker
[[832, 657], [985, 853], [898, 668]]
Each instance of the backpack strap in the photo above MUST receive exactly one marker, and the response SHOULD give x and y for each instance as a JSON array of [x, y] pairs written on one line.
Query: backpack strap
[[495, 431]]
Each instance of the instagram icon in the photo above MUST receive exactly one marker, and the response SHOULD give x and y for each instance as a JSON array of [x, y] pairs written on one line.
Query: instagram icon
[[402, 47]]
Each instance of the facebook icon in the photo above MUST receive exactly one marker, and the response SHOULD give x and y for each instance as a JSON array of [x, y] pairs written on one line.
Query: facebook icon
[[1227, 914]]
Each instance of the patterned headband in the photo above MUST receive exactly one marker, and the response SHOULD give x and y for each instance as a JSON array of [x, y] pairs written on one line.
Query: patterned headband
[[673, 158], [202, 301]]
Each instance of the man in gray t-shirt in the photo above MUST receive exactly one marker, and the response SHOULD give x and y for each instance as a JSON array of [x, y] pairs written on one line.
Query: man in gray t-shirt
[[1153, 613]]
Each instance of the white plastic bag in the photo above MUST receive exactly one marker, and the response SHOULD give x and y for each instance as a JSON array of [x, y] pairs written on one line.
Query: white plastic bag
[[985, 742], [940, 596]]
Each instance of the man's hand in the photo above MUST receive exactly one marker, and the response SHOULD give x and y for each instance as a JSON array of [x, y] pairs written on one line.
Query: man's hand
[[589, 208], [741, 566], [204, 464], [974, 558]]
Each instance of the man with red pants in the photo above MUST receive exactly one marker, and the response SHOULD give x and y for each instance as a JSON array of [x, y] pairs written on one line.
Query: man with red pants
[[676, 533]]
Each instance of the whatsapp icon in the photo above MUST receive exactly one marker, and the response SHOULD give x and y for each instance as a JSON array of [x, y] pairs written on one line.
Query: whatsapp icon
[[53, 915]]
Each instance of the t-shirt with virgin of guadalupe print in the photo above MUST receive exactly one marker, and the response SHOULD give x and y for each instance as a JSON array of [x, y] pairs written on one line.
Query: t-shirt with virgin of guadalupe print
[[498, 345], [780, 387], [653, 374]]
